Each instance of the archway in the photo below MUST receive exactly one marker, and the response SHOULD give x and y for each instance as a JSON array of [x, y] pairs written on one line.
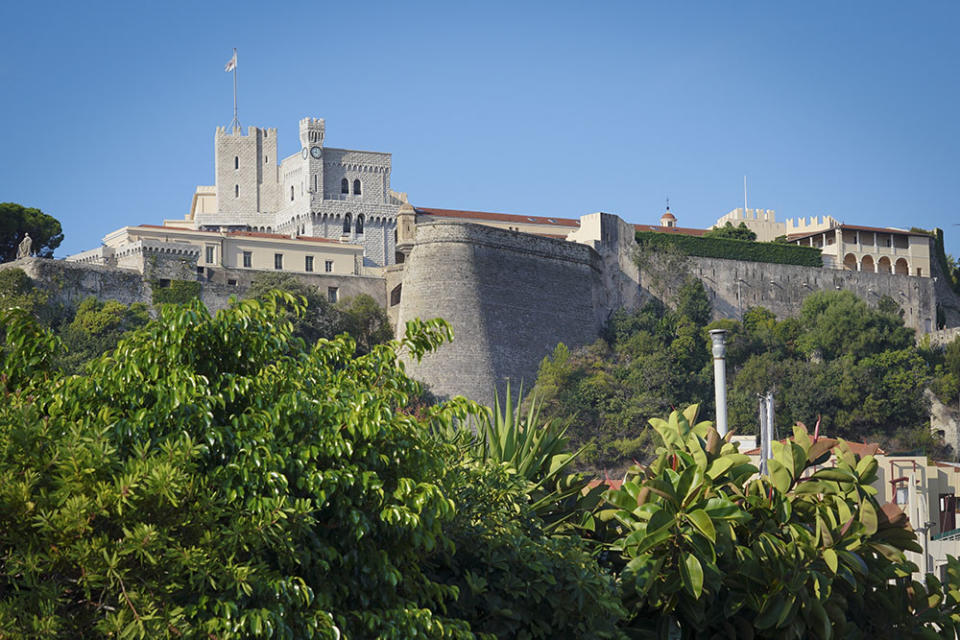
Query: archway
[[866, 264], [901, 267], [884, 266], [850, 262]]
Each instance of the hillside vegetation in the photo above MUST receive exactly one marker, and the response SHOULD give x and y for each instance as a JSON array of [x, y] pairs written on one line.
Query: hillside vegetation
[[853, 366]]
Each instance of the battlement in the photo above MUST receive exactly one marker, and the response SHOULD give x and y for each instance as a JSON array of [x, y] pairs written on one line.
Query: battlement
[[252, 132], [312, 131], [810, 224], [740, 214]]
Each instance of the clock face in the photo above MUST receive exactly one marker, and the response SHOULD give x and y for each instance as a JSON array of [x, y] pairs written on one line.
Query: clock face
[[315, 152], [304, 152]]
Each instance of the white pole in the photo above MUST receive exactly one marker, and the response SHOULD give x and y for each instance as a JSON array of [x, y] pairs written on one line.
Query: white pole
[[744, 196], [720, 378], [770, 424], [764, 436], [236, 120]]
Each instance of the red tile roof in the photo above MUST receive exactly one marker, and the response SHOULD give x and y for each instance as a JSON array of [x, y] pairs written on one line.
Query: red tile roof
[[245, 234], [498, 217], [278, 236], [684, 231]]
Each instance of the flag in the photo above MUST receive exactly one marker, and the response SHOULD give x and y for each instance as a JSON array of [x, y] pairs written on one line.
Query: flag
[[232, 64]]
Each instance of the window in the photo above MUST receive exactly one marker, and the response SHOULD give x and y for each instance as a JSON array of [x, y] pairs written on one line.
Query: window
[[308, 263], [236, 162], [332, 294], [247, 259], [210, 255], [291, 192], [236, 191], [346, 223], [232, 283], [356, 187], [344, 186], [266, 159], [360, 223], [314, 183], [328, 266], [278, 261]]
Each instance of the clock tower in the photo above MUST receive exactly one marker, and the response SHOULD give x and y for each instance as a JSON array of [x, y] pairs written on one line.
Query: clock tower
[[312, 131]]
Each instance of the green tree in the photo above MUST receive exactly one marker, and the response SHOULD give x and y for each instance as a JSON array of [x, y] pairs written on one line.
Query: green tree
[[96, 328], [740, 232], [365, 320], [710, 548], [16, 220], [318, 320], [212, 477]]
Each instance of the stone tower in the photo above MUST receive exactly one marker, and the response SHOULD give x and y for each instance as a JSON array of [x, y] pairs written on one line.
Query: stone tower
[[246, 170], [312, 131]]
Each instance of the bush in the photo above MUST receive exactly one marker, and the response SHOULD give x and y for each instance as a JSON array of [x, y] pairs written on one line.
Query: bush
[[179, 292], [212, 477], [728, 249]]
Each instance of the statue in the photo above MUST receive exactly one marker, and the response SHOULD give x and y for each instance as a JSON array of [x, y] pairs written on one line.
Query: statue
[[23, 251]]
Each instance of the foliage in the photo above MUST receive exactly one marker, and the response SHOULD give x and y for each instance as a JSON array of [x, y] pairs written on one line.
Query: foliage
[[537, 453], [513, 579], [365, 320], [96, 328], [16, 220], [177, 292], [713, 550], [740, 232], [360, 315], [713, 247], [209, 477], [855, 366]]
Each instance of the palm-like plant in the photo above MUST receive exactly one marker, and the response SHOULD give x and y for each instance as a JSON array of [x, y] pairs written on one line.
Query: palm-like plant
[[538, 452]]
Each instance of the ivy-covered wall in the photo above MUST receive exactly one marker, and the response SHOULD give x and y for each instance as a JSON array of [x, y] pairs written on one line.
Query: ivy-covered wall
[[769, 252]]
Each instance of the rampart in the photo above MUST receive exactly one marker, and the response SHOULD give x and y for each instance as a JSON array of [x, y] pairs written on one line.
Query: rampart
[[510, 297]]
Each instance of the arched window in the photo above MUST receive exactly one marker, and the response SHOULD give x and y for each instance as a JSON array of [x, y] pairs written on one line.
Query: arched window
[[356, 187], [360, 223], [236, 191], [236, 162], [346, 223], [344, 186], [291, 192]]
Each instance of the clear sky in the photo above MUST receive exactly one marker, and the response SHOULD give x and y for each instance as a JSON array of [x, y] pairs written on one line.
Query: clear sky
[[544, 108]]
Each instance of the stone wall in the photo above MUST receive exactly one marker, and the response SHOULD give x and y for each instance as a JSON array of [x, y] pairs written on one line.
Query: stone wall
[[734, 286], [69, 282], [510, 298]]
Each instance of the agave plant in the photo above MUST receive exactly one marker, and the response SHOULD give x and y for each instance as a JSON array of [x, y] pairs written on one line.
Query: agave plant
[[538, 451]]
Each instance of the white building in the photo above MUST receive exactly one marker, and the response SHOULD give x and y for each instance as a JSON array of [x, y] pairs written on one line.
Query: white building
[[319, 191]]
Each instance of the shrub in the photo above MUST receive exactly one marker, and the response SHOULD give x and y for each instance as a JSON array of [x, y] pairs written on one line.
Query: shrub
[[729, 249]]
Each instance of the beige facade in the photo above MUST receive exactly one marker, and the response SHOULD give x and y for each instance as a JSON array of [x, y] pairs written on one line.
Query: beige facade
[[871, 249], [763, 222], [231, 250]]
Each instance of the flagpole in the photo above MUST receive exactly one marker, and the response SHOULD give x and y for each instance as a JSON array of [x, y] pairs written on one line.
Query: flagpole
[[236, 120]]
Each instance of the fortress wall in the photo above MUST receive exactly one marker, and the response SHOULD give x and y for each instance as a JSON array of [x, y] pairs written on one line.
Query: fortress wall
[[510, 298], [782, 288], [71, 282]]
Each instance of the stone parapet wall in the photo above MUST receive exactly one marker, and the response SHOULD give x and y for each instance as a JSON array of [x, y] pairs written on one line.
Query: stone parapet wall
[[71, 282], [734, 286]]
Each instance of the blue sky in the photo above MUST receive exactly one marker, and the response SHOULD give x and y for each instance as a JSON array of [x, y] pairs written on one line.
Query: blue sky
[[543, 108]]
